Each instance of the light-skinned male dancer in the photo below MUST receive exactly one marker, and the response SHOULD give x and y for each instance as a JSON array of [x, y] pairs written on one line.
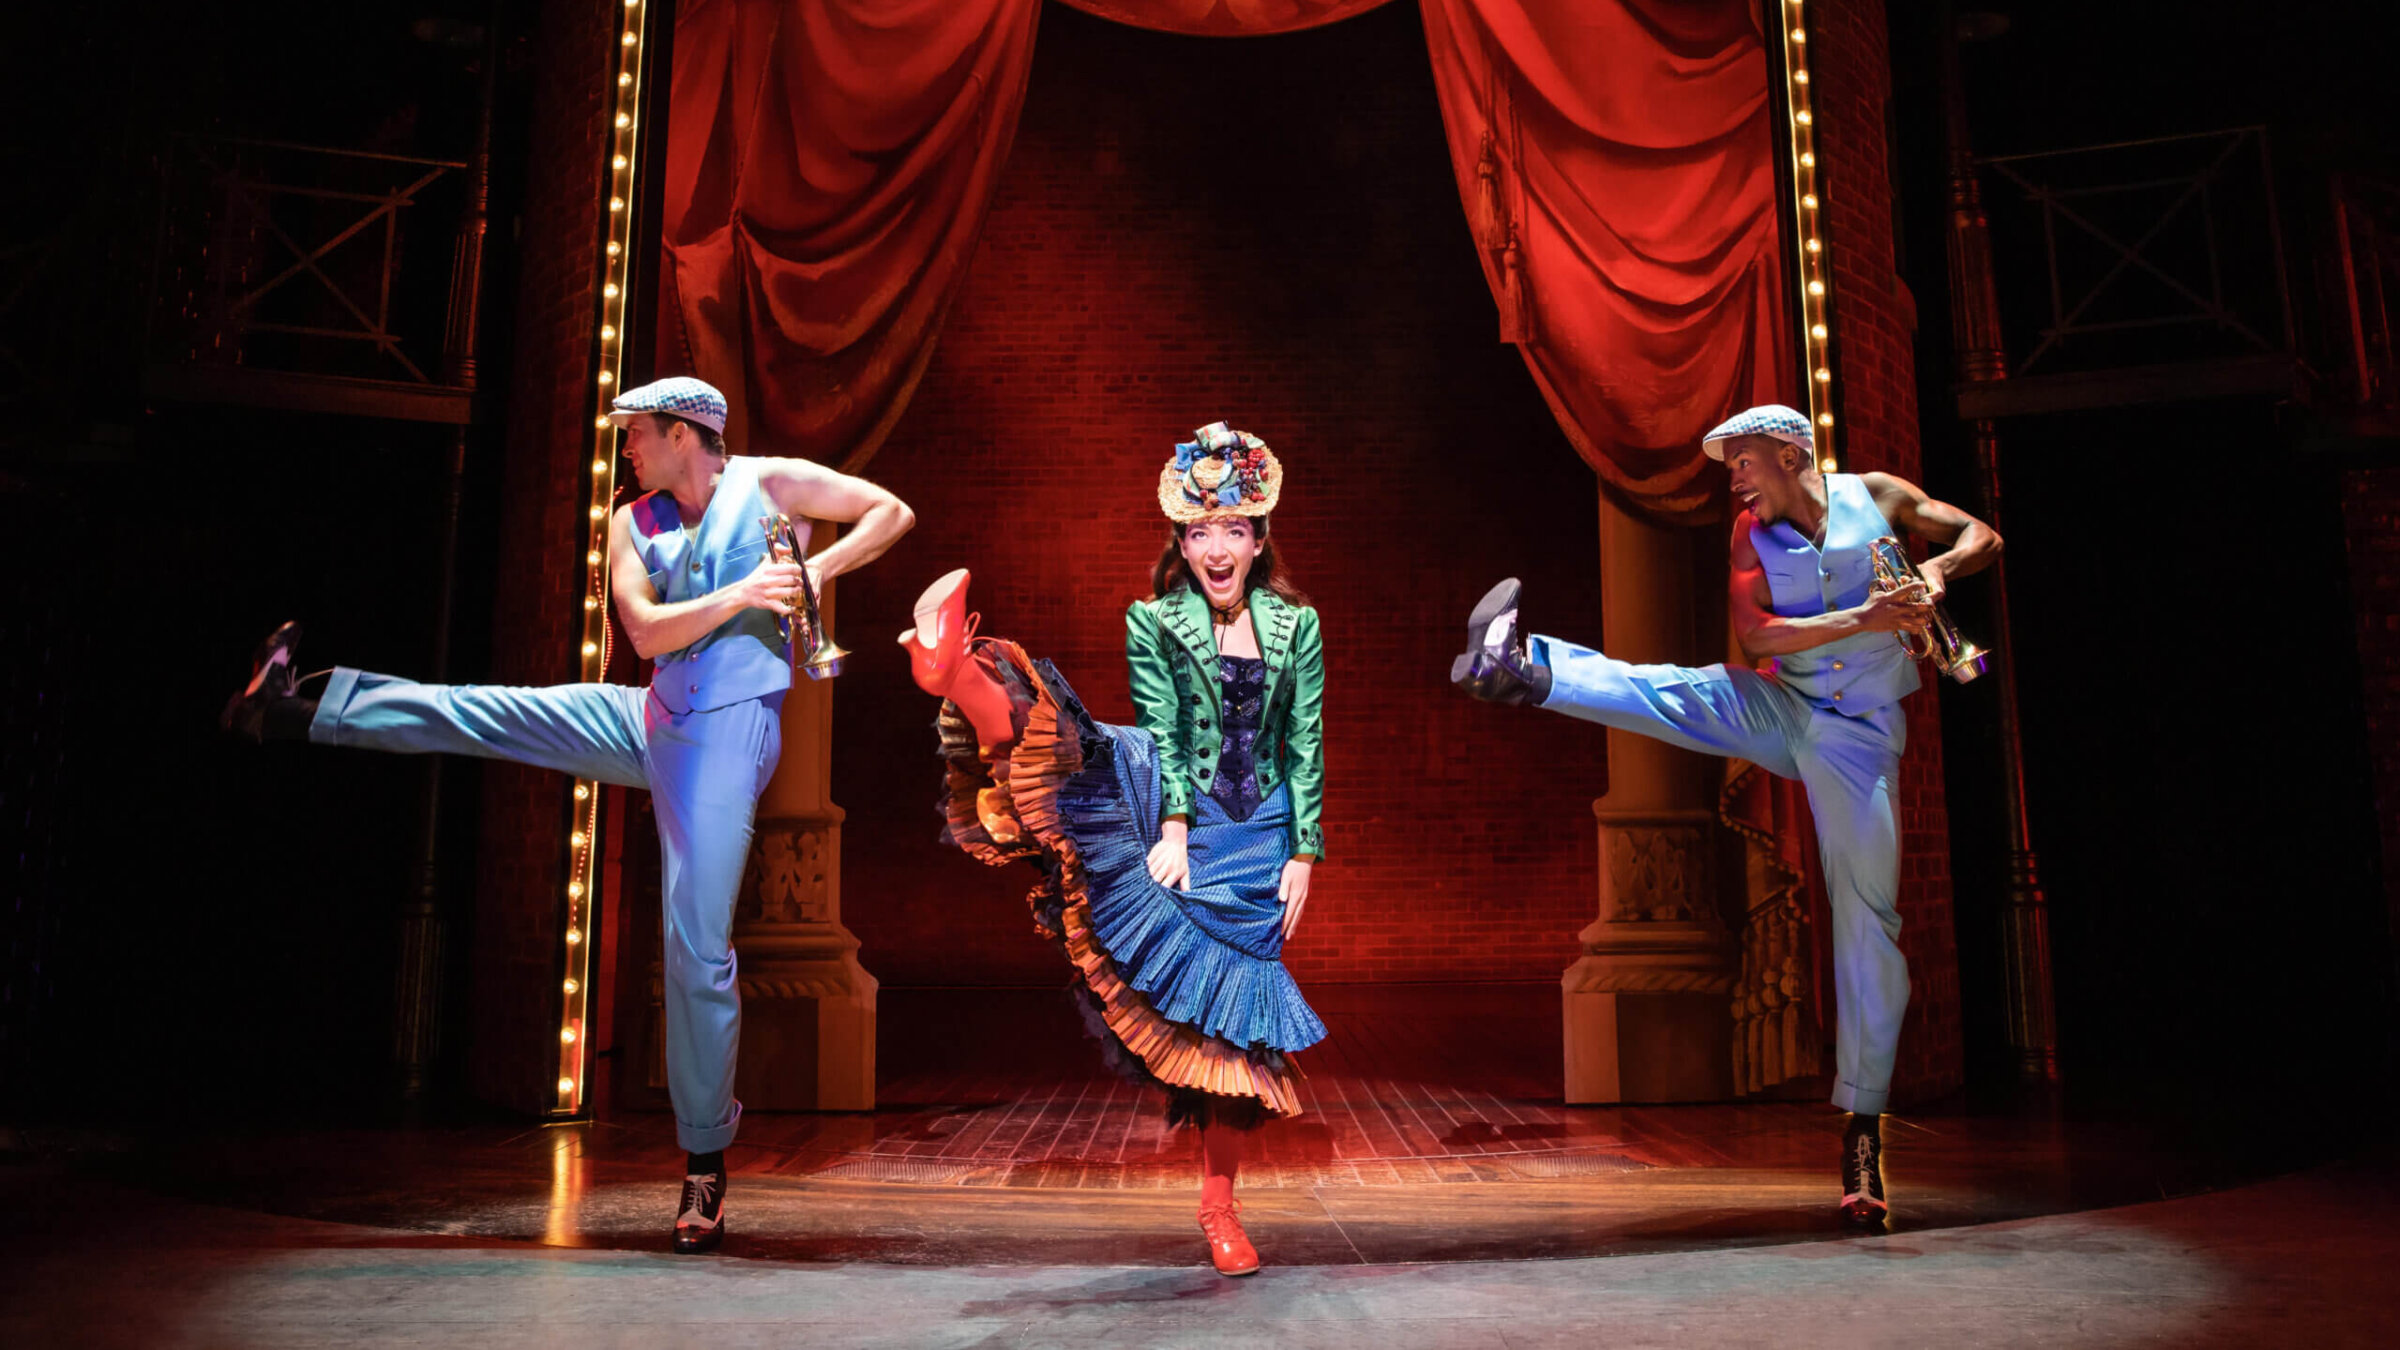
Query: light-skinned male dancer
[[1828, 714], [700, 593]]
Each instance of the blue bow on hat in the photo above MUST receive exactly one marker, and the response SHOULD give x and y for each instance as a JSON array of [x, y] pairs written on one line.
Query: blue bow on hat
[[1216, 441]]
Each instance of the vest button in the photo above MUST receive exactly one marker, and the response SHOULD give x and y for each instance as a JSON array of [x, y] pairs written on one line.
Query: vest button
[[1837, 695], [696, 689], [1837, 665], [695, 567]]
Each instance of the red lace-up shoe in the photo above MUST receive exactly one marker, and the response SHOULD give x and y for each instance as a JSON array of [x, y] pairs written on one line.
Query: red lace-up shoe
[[1229, 1247]]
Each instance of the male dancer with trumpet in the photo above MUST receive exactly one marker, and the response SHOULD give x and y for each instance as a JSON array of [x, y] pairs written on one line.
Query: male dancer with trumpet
[[702, 593], [1804, 594]]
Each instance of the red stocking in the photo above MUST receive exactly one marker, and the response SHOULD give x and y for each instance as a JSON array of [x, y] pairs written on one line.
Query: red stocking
[[1220, 1159]]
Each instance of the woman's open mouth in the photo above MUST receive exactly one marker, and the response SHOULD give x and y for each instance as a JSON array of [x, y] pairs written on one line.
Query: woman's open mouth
[[1219, 578]]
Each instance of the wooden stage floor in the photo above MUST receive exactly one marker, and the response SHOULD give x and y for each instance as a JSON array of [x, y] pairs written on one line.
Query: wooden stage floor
[[1433, 1132]]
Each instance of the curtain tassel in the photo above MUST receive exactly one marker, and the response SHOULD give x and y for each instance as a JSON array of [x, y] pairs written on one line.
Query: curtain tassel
[[1488, 230], [1516, 315]]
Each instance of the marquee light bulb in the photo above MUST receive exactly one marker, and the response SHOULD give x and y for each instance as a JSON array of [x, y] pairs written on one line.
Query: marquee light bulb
[[1799, 77], [609, 290], [1824, 376], [1818, 332], [566, 1035], [572, 986], [1816, 288], [1809, 200], [630, 39], [1824, 419], [567, 1086], [1808, 159], [1803, 118]]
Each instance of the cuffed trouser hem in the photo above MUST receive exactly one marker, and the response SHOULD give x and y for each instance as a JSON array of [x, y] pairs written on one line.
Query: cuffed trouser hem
[[709, 1138], [1861, 1101], [326, 727]]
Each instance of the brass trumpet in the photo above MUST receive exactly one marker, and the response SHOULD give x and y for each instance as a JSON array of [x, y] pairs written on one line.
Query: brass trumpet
[[819, 656], [1952, 652]]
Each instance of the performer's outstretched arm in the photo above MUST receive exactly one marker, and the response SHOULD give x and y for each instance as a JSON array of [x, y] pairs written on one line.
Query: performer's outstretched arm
[[1765, 633], [804, 489], [653, 626], [1973, 544]]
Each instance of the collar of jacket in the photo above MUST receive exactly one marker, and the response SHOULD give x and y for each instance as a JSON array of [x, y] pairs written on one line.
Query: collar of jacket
[[1185, 614]]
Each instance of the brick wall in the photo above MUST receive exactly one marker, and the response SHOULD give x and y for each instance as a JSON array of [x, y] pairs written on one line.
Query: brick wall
[[538, 596], [1874, 366], [2371, 513], [1300, 266]]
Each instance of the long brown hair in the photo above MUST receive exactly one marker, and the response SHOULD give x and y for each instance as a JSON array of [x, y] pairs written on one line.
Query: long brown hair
[[1171, 573]]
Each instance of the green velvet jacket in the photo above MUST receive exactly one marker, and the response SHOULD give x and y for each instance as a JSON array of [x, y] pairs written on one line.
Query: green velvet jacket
[[1178, 699]]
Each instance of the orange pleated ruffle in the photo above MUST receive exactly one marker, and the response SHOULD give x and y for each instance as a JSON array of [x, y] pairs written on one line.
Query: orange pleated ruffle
[[1048, 752]]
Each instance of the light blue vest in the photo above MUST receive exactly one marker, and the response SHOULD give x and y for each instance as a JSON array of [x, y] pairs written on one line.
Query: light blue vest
[[745, 657], [1856, 674]]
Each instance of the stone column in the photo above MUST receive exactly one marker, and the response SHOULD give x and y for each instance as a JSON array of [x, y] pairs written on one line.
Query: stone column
[[808, 1007], [1645, 1006]]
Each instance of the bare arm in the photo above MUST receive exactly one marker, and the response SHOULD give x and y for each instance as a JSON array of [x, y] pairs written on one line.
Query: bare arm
[[803, 489], [1974, 545], [1765, 633], [654, 627]]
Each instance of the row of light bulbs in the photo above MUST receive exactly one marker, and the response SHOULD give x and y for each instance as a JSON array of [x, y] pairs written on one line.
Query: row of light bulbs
[[1816, 304], [583, 840]]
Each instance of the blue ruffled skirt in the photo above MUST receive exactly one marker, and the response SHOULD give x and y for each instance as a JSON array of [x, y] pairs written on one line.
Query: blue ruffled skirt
[[1185, 988]]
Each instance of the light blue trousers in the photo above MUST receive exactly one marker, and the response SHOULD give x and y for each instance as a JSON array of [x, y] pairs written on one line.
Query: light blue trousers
[[704, 771], [1851, 769]]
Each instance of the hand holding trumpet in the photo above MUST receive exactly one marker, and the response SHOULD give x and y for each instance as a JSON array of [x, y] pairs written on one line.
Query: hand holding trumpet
[[1906, 608], [774, 587]]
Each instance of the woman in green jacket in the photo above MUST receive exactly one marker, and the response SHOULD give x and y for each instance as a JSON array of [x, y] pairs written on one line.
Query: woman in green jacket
[[1176, 854]]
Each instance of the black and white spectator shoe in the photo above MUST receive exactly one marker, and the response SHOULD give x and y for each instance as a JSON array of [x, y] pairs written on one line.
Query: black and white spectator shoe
[[700, 1224], [1863, 1206], [1496, 667], [271, 678]]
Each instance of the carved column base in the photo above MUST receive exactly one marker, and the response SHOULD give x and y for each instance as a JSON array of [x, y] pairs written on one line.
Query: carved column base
[[808, 1007], [1645, 1013], [808, 1020], [1645, 1008]]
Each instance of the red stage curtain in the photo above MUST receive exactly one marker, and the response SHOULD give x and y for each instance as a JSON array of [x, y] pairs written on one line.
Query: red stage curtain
[[1615, 160], [829, 165], [1226, 18]]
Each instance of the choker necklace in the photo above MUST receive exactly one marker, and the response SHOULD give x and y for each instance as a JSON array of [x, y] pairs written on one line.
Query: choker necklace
[[1226, 616]]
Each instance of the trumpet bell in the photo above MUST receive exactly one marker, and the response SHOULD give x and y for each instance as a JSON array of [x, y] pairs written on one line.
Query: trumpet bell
[[1967, 662], [826, 661]]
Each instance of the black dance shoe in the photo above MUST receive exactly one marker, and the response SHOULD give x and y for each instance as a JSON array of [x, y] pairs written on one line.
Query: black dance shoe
[[1495, 667], [271, 678], [700, 1223], [1863, 1207]]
